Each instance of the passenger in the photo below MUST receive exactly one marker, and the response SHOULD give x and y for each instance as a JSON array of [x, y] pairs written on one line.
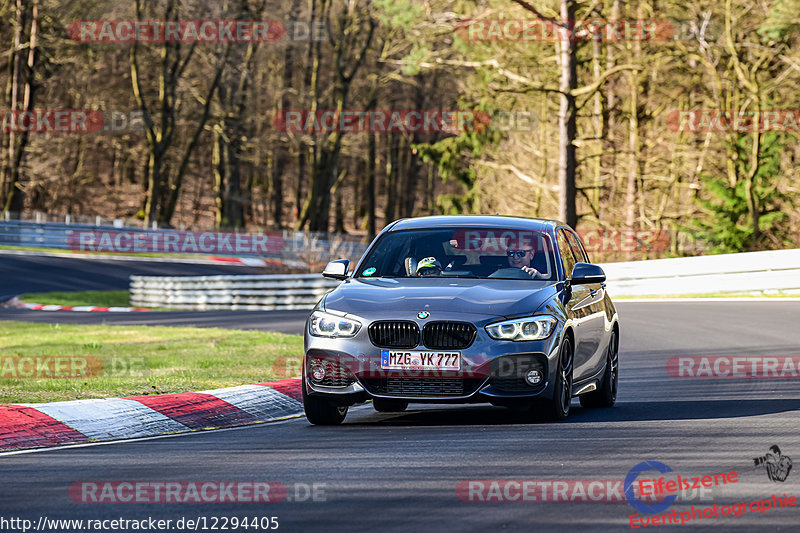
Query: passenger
[[430, 266]]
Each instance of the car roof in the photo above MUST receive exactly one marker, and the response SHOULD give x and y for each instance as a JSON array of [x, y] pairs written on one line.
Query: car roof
[[483, 221]]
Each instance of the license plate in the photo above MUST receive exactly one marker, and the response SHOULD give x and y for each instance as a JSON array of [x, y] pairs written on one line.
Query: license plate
[[402, 360]]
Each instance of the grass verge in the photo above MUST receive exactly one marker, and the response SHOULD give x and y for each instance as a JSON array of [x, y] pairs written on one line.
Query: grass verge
[[92, 298], [53, 362]]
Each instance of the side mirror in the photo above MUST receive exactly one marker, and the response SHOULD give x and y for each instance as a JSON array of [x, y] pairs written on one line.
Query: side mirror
[[585, 273], [337, 269]]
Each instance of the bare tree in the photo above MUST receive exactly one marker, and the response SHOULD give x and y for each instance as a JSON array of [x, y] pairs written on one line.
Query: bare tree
[[23, 58], [161, 113], [350, 36]]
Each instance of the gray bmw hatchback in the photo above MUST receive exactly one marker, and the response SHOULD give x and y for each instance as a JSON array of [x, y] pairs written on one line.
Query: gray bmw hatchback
[[464, 309]]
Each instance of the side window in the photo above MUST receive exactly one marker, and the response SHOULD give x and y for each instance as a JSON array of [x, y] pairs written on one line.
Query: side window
[[577, 250], [566, 254]]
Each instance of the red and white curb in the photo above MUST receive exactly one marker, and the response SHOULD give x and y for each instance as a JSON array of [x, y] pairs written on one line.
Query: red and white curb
[[17, 304], [34, 425], [246, 261]]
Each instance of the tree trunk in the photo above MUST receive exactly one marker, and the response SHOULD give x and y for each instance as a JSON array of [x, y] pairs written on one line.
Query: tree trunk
[[338, 226], [390, 192], [21, 91], [282, 145], [631, 203], [566, 120], [299, 193], [610, 117], [325, 170], [370, 194], [218, 171]]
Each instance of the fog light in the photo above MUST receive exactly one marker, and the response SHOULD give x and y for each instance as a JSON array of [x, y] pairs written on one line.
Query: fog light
[[533, 377], [318, 373]]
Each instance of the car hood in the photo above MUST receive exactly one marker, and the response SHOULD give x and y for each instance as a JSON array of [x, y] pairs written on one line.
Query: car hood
[[494, 297]]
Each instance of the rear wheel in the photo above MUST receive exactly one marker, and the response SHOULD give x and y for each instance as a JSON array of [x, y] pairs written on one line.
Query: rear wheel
[[387, 405], [558, 407], [322, 412], [606, 395]]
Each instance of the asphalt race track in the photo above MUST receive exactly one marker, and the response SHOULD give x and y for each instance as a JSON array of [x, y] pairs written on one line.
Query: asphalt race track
[[399, 472], [21, 273]]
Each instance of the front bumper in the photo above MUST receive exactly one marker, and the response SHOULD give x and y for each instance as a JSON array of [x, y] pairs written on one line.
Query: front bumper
[[491, 370]]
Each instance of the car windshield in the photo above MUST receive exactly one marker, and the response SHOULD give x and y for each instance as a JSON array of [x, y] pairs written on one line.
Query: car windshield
[[461, 253]]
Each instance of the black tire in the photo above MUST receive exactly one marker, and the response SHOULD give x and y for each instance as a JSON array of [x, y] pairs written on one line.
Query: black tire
[[606, 395], [387, 405], [322, 412], [557, 408]]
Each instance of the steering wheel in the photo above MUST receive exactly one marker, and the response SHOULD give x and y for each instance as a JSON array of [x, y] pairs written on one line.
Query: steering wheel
[[510, 272]]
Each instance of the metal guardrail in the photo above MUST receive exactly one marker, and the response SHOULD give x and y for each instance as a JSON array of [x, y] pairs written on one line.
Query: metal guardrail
[[272, 292], [755, 272], [43, 235], [294, 245], [751, 272]]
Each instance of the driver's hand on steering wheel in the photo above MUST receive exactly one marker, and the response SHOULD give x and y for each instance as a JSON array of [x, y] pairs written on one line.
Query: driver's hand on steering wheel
[[532, 271]]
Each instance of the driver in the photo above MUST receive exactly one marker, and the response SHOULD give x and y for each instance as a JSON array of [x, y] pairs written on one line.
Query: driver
[[430, 266], [522, 259]]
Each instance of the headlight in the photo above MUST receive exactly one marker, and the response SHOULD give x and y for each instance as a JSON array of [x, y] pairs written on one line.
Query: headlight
[[327, 325], [522, 329]]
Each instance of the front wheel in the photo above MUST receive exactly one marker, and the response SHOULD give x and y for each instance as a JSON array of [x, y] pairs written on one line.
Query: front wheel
[[606, 395], [322, 412], [557, 408]]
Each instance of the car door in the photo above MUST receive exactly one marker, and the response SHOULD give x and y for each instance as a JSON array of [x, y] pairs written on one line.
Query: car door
[[593, 321], [577, 311]]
